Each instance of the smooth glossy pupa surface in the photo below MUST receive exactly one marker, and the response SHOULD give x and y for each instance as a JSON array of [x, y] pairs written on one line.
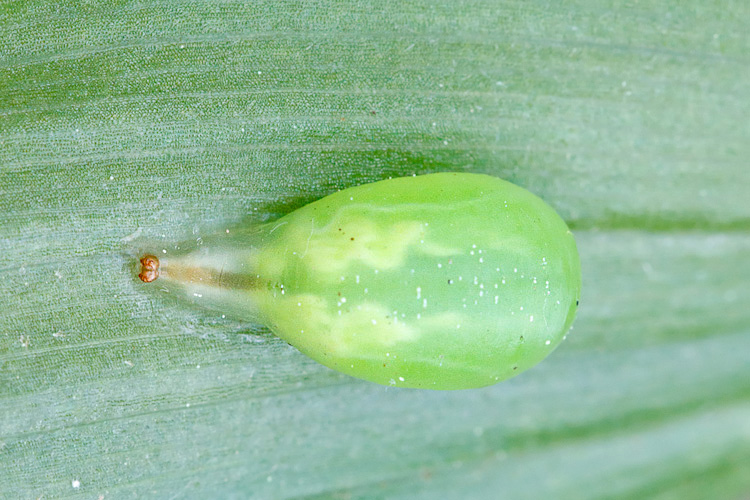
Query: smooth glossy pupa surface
[[441, 281]]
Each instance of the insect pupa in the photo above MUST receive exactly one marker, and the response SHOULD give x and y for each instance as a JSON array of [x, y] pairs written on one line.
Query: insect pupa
[[440, 281]]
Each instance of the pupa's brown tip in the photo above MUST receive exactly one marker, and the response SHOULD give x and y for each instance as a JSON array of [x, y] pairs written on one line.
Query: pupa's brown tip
[[149, 268]]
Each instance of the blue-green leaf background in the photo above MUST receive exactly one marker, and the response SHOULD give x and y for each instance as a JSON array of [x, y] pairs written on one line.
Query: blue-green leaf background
[[132, 125]]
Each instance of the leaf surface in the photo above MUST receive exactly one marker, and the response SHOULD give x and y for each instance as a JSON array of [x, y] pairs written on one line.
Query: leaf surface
[[134, 125]]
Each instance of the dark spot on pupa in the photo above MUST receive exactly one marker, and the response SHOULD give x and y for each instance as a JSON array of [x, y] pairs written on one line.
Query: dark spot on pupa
[[515, 368], [149, 268], [351, 239], [450, 282], [576, 302]]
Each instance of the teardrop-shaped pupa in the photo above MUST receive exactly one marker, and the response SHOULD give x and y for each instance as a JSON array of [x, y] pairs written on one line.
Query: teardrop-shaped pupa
[[440, 281]]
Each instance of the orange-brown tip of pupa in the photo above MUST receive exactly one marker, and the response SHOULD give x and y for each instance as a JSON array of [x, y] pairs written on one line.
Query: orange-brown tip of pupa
[[149, 268]]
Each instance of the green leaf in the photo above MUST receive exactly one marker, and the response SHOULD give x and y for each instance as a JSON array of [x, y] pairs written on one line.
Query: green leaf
[[134, 125]]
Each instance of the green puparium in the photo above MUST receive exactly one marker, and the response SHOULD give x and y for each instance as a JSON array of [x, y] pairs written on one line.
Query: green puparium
[[442, 281]]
